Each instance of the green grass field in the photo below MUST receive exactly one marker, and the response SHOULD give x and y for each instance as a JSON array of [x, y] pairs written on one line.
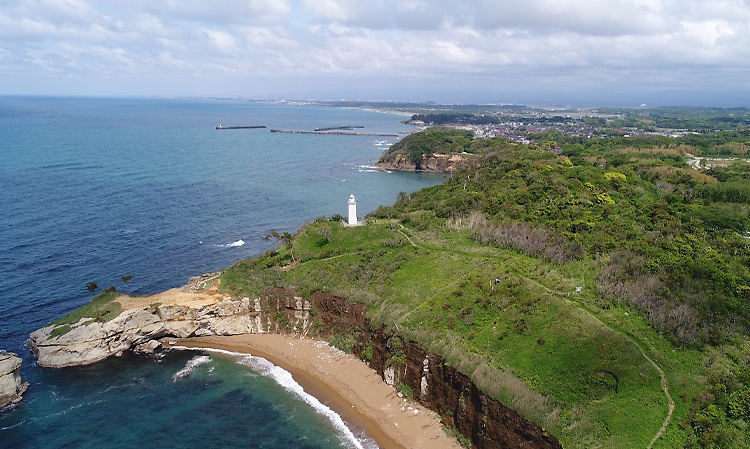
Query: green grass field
[[513, 322]]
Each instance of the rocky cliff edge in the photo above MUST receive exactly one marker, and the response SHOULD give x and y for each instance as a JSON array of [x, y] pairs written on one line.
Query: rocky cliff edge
[[11, 385], [184, 312], [437, 162]]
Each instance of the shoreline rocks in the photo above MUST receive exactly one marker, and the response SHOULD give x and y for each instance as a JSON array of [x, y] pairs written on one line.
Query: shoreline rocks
[[90, 341], [12, 387], [440, 387], [438, 162]]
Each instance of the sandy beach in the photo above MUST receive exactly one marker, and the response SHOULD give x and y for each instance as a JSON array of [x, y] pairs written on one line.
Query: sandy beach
[[345, 384]]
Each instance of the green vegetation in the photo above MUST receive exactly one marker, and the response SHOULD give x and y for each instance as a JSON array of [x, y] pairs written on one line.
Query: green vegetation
[[91, 287], [691, 118], [448, 141], [345, 342], [453, 433], [485, 270], [447, 118], [436, 140], [102, 308]]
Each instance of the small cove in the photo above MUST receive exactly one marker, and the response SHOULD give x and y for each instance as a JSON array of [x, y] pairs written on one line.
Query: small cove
[[96, 189]]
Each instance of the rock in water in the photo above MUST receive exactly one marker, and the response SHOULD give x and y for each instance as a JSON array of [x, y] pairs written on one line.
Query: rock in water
[[11, 385]]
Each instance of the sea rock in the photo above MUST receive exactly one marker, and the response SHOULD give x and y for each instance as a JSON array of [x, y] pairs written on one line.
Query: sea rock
[[89, 341], [11, 385], [148, 347], [438, 162]]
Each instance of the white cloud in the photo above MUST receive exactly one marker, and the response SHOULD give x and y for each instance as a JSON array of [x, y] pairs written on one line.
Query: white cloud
[[553, 43]]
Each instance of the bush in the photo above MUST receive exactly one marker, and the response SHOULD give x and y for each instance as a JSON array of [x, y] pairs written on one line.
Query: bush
[[723, 216]]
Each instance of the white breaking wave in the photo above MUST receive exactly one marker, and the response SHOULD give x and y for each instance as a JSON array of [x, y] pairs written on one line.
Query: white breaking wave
[[190, 365], [232, 245], [367, 168], [285, 379]]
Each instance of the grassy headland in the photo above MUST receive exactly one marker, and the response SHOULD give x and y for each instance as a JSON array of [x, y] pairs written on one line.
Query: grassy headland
[[485, 268]]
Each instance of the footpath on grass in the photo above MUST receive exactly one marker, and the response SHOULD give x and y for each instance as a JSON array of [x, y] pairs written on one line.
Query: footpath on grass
[[664, 382]]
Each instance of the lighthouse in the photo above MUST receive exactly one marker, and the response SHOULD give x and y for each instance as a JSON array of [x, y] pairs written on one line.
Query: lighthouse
[[352, 210]]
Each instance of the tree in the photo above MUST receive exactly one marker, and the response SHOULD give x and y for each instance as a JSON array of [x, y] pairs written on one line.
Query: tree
[[92, 286], [126, 279], [286, 239]]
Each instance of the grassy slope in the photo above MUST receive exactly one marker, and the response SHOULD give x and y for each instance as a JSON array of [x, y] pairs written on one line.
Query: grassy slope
[[656, 246], [102, 308], [540, 351]]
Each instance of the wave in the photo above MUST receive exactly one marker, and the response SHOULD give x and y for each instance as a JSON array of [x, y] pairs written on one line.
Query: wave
[[285, 380], [190, 366], [231, 245], [367, 168]]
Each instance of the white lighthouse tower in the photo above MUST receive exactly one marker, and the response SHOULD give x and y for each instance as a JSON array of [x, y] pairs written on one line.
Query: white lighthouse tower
[[352, 210]]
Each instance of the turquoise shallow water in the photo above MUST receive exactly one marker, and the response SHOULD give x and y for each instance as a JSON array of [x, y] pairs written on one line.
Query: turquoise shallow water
[[95, 189]]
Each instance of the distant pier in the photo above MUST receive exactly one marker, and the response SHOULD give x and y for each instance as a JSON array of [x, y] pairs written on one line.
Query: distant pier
[[240, 127], [338, 127], [333, 133]]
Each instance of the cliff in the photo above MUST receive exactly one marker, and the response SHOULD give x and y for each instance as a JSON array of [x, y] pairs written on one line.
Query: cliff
[[194, 312], [184, 312], [437, 162], [436, 149], [11, 385]]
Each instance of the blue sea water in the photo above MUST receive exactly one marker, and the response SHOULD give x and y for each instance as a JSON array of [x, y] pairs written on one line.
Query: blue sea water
[[95, 189]]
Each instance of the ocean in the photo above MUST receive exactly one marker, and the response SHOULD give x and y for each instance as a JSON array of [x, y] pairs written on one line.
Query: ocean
[[94, 189]]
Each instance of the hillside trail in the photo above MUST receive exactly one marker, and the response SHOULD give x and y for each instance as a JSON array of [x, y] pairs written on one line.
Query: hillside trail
[[400, 231], [664, 382]]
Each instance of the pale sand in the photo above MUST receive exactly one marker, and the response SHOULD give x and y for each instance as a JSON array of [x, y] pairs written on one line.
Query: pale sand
[[344, 383], [186, 296]]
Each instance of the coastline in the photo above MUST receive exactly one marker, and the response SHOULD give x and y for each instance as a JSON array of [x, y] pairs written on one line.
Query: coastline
[[344, 383]]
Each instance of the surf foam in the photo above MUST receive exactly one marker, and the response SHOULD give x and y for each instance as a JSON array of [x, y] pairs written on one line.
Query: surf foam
[[285, 380], [190, 366]]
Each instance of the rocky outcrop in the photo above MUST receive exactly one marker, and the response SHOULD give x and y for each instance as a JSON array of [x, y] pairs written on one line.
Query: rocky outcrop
[[438, 162], [487, 422], [90, 341], [11, 385]]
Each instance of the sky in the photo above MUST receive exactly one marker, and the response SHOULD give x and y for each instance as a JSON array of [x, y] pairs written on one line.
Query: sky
[[572, 52]]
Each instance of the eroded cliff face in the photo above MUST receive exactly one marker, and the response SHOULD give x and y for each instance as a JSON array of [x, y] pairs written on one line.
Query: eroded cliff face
[[90, 341], [438, 162], [11, 385], [488, 423]]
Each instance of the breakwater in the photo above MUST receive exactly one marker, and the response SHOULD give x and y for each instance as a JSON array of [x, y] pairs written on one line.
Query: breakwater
[[240, 127], [338, 127], [336, 133]]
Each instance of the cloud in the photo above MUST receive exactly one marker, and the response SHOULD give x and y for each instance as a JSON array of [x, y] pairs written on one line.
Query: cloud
[[633, 45]]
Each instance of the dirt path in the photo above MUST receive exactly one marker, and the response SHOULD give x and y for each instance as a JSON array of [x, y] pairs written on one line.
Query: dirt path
[[665, 387], [407, 237], [664, 383]]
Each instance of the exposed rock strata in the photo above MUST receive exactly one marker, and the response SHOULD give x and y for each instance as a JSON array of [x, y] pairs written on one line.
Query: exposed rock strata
[[11, 385], [487, 422], [440, 387], [90, 341], [438, 162]]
